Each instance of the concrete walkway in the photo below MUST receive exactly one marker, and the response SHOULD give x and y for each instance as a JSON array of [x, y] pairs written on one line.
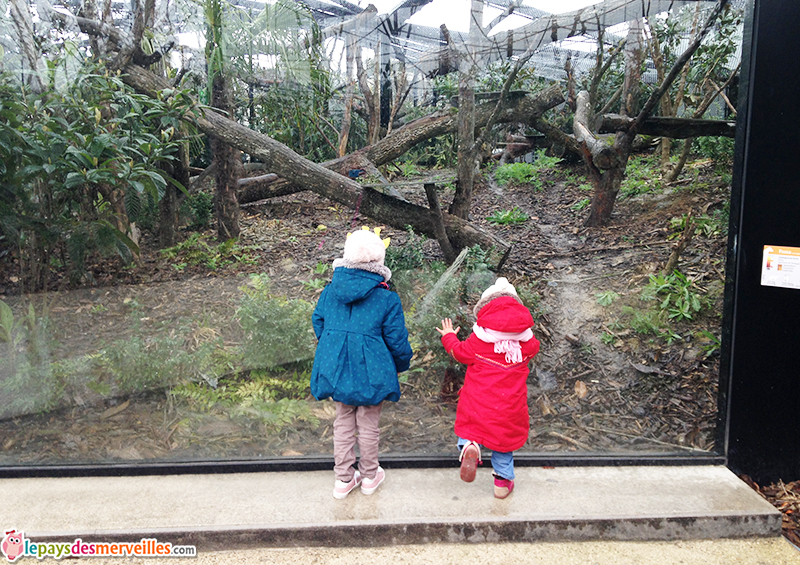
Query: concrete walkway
[[417, 516]]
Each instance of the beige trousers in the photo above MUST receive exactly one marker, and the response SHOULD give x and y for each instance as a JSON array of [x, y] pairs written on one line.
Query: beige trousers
[[355, 424]]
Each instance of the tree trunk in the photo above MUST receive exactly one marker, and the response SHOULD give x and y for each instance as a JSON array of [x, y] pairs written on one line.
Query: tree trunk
[[228, 162], [607, 164], [468, 150], [633, 68], [606, 187], [465, 169], [675, 128], [344, 132], [608, 176]]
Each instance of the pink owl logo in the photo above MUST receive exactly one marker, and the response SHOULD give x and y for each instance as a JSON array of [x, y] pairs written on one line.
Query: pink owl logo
[[12, 545]]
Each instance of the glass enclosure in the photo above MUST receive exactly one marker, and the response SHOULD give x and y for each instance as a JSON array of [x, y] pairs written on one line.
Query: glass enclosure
[[157, 284]]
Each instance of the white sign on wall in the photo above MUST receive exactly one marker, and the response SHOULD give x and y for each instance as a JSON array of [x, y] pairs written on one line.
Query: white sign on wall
[[781, 266]]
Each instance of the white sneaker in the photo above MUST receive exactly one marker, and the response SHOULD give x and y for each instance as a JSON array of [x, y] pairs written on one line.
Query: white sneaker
[[341, 489], [368, 486]]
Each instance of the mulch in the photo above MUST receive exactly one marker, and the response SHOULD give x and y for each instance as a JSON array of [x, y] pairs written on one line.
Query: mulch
[[786, 498]]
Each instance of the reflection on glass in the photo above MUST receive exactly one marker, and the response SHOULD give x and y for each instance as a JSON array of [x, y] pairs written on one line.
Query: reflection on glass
[[130, 331]]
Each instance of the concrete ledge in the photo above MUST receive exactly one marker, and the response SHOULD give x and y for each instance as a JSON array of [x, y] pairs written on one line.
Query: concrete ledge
[[413, 506]]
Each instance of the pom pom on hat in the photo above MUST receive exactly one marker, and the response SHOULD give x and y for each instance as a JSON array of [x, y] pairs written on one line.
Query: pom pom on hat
[[364, 246], [500, 286]]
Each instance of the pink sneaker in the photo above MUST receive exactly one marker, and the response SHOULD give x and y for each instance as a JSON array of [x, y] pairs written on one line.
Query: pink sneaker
[[470, 458], [341, 489], [502, 487], [368, 486]]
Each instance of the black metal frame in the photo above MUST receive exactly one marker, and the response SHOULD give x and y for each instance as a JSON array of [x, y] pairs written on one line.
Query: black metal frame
[[326, 463]]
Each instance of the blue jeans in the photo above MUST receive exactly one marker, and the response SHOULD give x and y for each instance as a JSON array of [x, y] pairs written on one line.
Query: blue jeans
[[502, 462]]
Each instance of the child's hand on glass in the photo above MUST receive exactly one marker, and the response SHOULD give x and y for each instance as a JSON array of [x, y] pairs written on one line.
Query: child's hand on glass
[[447, 327]]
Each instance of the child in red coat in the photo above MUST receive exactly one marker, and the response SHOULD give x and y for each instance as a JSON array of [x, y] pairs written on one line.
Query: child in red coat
[[493, 403]]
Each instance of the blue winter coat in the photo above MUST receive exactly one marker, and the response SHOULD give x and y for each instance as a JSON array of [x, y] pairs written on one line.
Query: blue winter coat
[[363, 341]]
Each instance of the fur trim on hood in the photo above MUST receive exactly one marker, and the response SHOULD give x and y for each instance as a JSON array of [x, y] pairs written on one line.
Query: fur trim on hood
[[372, 267], [484, 300]]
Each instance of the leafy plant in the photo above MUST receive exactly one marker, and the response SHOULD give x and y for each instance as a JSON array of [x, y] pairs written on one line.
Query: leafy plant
[[508, 217], [606, 298], [714, 226], [275, 398], [314, 284], [81, 163], [526, 173], [649, 322], [29, 381], [718, 149], [581, 204], [709, 343], [641, 176], [516, 173], [277, 330], [408, 168], [195, 250], [138, 364], [322, 268], [677, 295]]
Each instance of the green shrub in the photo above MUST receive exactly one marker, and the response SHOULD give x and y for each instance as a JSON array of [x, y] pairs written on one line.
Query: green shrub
[[515, 173], [606, 298], [408, 256], [718, 149], [642, 176], [195, 250], [277, 330], [138, 364], [199, 207], [527, 173]]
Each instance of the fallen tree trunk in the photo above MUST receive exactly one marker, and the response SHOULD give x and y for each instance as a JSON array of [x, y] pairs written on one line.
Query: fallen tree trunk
[[524, 109], [313, 176]]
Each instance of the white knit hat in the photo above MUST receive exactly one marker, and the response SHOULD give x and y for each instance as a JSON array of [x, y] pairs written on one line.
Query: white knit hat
[[364, 246], [500, 286]]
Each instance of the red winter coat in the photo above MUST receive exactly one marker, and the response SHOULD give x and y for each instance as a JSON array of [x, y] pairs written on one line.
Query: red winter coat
[[493, 403]]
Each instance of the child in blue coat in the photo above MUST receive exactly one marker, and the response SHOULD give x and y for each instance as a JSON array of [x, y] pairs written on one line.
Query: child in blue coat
[[363, 345]]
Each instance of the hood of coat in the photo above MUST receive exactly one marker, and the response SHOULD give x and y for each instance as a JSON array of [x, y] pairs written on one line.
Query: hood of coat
[[505, 314], [351, 285]]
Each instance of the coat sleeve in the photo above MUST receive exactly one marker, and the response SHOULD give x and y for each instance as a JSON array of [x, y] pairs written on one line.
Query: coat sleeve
[[461, 351], [318, 317], [395, 334], [530, 348]]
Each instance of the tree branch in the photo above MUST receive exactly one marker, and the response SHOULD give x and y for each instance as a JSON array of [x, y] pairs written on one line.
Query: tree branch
[[652, 101]]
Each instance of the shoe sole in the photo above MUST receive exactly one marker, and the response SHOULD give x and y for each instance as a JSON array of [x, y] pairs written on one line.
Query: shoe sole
[[469, 465], [340, 495]]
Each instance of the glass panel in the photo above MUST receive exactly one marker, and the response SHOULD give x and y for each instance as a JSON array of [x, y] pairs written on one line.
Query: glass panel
[[117, 348]]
